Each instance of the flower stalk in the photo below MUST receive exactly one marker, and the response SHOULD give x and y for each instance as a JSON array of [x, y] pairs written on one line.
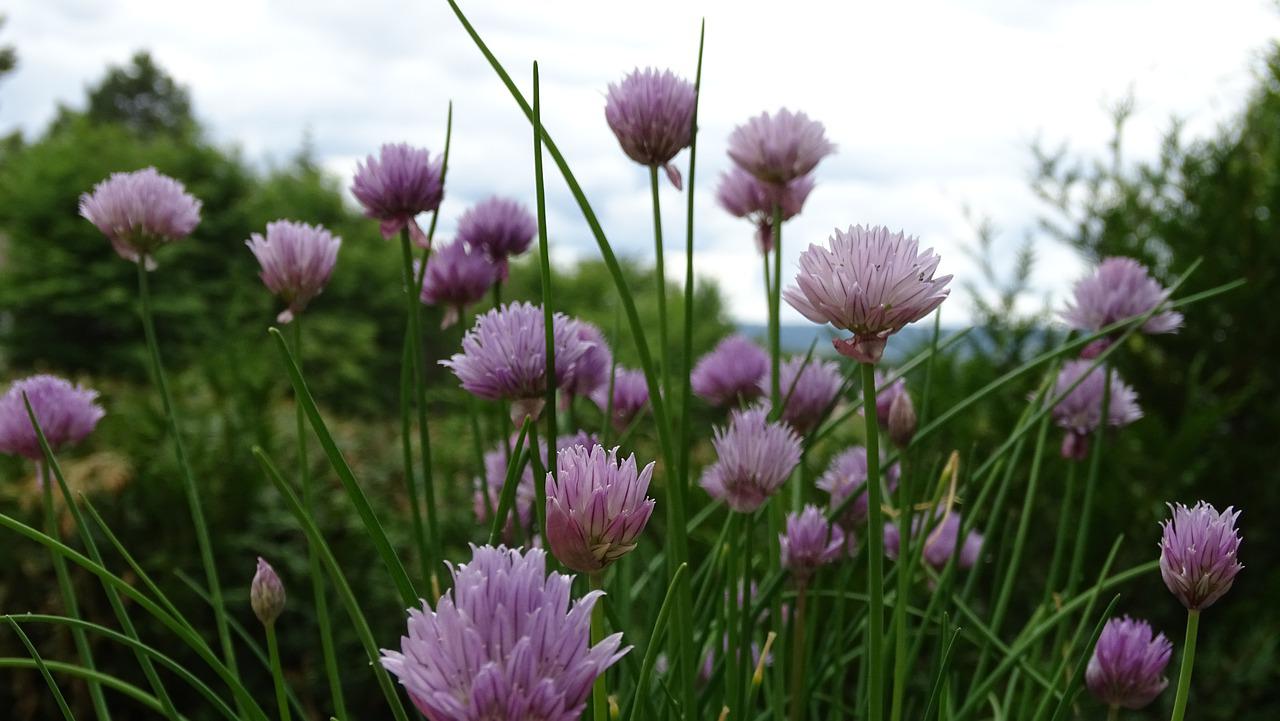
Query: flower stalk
[[1188, 660]]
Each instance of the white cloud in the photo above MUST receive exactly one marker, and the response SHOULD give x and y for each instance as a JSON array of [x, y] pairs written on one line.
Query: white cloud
[[933, 104]]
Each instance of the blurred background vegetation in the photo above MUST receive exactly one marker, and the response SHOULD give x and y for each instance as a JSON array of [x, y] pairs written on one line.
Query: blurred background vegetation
[[67, 306]]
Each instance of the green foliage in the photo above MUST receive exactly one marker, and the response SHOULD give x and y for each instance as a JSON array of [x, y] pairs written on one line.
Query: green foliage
[[8, 55]]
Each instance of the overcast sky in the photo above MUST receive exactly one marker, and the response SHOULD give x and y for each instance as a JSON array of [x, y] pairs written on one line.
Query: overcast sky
[[933, 105]]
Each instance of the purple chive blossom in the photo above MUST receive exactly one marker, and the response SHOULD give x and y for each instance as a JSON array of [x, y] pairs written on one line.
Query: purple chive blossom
[[870, 282], [67, 413], [581, 438], [846, 476], [507, 642], [1198, 553], [808, 389], [940, 543], [1128, 662], [1080, 412], [630, 396], [754, 459], [1119, 289], [744, 196], [488, 492], [651, 113], [779, 148], [810, 541], [457, 276], [400, 183], [596, 507], [504, 357], [591, 372], [731, 373], [500, 227], [266, 593], [886, 394], [297, 260], [141, 211]]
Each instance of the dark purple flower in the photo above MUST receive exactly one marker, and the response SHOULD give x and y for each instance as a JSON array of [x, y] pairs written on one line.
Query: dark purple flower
[[591, 372], [596, 507], [266, 593], [297, 260], [141, 211], [507, 642], [1128, 662], [754, 458], [500, 227], [457, 276], [630, 396], [67, 413], [744, 196], [940, 543], [504, 357], [810, 541], [845, 476], [1198, 553], [779, 148], [1080, 412], [808, 389], [400, 183], [870, 282], [1120, 288], [651, 113], [731, 373]]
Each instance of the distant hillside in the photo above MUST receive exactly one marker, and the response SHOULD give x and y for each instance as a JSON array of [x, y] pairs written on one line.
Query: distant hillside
[[797, 337]]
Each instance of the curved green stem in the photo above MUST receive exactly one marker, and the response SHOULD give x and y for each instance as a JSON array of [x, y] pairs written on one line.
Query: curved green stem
[[1188, 660], [664, 346], [875, 552], [277, 672], [1090, 484], [775, 308], [548, 308], [313, 561], [188, 480], [600, 691]]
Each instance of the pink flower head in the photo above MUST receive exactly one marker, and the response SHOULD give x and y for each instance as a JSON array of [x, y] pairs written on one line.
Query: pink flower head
[[457, 276], [745, 196], [1120, 288], [1080, 412], [400, 183], [506, 642], [141, 211], [1128, 662], [630, 396], [297, 260], [870, 282], [651, 113], [1198, 553], [596, 507], [810, 541], [846, 476], [779, 148], [504, 357], [266, 593], [66, 413], [754, 458], [731, 372], [500, 227], [808, 390]]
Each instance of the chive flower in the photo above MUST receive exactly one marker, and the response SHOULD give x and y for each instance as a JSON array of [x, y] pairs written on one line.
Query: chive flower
[[596, 507], [67, 414], [266, 593], [1198, 553], [141, 211], [731, 373], [745, 196], [808, 390], [1120, 288], [499, 227], [1079, 413], [870, 282], [505, 642], [1128, 663], [779, 148], [754, 458], [846, 476], [591, 371], [941, 542], [809, 542], [297, 260], [651, 114], [630, 396], [396, 186], [456, 277]]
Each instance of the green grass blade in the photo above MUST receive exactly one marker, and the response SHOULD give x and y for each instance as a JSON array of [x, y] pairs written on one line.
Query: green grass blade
[[44, 670]]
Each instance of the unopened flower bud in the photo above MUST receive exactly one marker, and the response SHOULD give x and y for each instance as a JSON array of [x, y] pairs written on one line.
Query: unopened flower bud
[[902, 421], [266, 594]]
